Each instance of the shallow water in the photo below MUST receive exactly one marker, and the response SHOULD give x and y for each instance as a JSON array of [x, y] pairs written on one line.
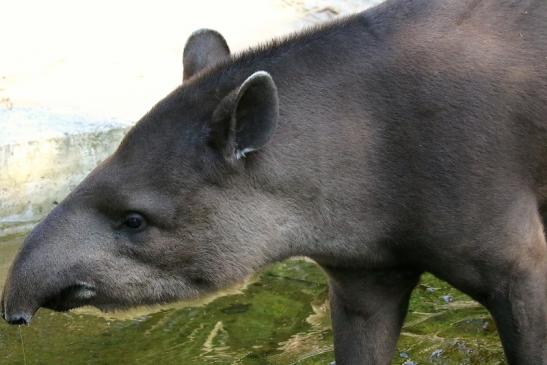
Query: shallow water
[[279, 317]]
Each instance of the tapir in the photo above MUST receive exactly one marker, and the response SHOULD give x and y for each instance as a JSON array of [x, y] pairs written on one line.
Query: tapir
[[408, 138]]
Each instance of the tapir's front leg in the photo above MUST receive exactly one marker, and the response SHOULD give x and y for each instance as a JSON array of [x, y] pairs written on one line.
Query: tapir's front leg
[[368, 309]]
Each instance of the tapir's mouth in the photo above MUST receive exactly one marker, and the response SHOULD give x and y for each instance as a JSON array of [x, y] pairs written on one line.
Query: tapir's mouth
[[73, 296]]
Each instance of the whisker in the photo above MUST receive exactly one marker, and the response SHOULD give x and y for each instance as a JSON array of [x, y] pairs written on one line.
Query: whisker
[[22, 345]]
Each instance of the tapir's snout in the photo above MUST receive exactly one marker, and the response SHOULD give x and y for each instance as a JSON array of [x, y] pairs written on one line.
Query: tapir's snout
[[23, 296], [19, 318], [16, 307], [45, 274]]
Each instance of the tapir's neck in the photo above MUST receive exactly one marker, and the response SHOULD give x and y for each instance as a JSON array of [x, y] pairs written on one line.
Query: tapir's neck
[[322, 161], [339, 159]]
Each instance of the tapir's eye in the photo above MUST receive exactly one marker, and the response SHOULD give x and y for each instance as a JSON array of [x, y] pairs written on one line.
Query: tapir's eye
[[134, 221]]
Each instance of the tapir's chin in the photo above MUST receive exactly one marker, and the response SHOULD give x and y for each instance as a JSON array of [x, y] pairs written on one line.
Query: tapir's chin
[[70, 297]]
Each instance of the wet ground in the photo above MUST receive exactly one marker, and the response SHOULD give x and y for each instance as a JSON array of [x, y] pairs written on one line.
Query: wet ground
[[280, 317]]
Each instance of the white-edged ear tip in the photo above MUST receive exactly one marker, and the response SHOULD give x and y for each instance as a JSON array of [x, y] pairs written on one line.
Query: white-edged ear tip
[[261, 73], [257, 75]]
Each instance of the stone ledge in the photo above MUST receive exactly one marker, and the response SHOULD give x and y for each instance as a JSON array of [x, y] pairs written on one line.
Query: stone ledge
[[43, 156]]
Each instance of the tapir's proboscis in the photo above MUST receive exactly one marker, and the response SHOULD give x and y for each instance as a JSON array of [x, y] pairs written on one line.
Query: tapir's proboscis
[[405, 139]]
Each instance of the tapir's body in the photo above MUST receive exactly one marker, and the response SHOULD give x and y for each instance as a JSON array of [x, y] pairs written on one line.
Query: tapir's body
[[408, 138]]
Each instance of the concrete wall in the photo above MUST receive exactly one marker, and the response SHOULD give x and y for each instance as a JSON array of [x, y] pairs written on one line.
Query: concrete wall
[[45, 155]]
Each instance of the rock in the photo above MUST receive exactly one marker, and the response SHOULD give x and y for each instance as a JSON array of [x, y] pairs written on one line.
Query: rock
[[437, 354], [447, 298]]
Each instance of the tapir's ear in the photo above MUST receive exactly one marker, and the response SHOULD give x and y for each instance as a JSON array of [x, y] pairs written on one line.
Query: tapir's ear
[[204, 48], [246, 119]]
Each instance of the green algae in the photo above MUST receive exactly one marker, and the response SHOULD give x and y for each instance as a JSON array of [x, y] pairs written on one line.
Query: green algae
[[280, 317]]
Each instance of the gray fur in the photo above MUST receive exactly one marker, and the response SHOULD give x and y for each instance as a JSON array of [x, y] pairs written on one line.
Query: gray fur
[[409, 138]]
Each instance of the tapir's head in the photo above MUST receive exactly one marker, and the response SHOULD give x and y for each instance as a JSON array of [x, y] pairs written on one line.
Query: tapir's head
[[176, 211]]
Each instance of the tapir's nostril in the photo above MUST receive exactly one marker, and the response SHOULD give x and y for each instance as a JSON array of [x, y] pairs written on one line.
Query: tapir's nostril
[[17, 319]]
